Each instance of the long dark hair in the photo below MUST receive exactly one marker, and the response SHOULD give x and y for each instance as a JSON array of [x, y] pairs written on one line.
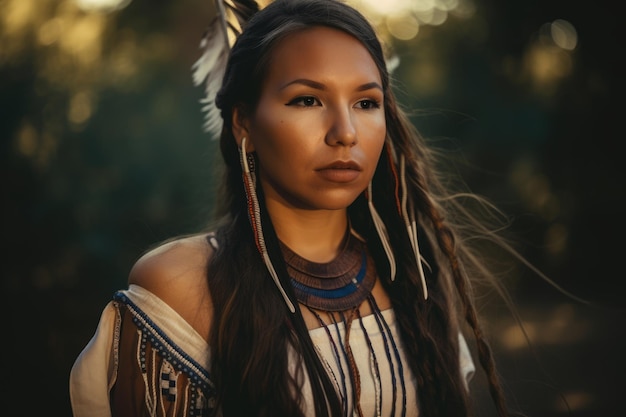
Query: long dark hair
[[254, 334]]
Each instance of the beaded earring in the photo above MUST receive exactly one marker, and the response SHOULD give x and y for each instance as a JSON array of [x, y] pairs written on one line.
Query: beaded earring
[[254, 215]]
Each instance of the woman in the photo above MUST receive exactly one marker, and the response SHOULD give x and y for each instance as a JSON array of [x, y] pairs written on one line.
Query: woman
[[333, 284]]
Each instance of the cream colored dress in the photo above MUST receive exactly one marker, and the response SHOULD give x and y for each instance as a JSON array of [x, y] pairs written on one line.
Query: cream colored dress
[[144, 359]]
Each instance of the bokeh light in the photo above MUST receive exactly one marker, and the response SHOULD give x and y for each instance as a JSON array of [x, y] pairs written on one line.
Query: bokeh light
[[564, 34], [402, 19], [102, 5]]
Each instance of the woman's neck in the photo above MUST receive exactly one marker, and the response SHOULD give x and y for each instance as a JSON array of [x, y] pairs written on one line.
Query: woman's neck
[[315, 235]]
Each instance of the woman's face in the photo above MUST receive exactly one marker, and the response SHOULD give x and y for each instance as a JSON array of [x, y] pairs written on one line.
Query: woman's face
[[319, 126]]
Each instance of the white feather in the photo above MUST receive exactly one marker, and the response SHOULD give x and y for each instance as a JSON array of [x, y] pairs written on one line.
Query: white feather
[[231, 16], [209, 70]]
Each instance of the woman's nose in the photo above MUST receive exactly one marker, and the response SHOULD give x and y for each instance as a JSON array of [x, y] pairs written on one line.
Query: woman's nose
[[342, 130]]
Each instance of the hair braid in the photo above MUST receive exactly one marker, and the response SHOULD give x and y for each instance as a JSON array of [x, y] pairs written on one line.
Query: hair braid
[[426, 188], [446, 241]]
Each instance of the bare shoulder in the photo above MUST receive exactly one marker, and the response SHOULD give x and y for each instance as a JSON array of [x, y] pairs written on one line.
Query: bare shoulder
[[176, 272], [178, 262]]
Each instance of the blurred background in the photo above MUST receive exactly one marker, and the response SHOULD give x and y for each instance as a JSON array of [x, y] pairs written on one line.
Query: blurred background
[[103, 155]]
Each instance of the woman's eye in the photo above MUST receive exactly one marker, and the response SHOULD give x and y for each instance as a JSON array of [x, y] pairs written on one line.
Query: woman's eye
[[368, 104], [305, 101]]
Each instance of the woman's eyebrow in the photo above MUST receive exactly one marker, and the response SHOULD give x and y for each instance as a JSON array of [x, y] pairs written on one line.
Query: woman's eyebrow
[[369, 86], [319, 86]]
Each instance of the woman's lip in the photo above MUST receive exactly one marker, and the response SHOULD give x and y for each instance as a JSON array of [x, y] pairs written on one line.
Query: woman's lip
[[340, 171], [339, 175], [342, 165]]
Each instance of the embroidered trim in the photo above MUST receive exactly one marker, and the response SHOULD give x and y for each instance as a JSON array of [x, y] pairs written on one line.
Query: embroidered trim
[[165, 347], [116, 344]]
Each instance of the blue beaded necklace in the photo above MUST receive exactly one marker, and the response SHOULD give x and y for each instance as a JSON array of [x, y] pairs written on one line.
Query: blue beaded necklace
[[338, 285]]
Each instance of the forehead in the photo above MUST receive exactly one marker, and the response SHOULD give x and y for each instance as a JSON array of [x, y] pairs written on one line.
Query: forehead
[[321, 52]]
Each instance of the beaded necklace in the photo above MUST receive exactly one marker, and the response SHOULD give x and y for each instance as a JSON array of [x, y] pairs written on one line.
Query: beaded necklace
[[336, 290], [339, 285], [386, 365]]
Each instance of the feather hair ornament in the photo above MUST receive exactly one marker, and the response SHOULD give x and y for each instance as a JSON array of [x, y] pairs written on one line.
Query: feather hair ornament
[[230, 18]]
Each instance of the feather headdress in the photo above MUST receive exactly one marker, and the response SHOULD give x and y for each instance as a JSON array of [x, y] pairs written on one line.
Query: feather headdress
[[231, 16]]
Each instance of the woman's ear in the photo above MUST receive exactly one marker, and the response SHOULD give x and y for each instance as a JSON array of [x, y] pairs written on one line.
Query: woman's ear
[[241, 123]]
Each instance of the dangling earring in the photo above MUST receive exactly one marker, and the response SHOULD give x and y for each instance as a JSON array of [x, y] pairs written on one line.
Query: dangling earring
[[411, 226], [382, 232], [254, 215]]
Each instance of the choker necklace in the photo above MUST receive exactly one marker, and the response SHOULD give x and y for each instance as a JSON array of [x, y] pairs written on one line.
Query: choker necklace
[[338, 285]]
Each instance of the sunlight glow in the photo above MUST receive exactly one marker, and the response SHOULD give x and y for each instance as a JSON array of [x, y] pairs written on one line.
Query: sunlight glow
[[81, 108], [549, 57], [102, 5], [17, 15], [534, 189], [402, 18], [564, 34], [547, 64], [561, 326], [403, 27], [575, 400], [556, 239], [50, 31]]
